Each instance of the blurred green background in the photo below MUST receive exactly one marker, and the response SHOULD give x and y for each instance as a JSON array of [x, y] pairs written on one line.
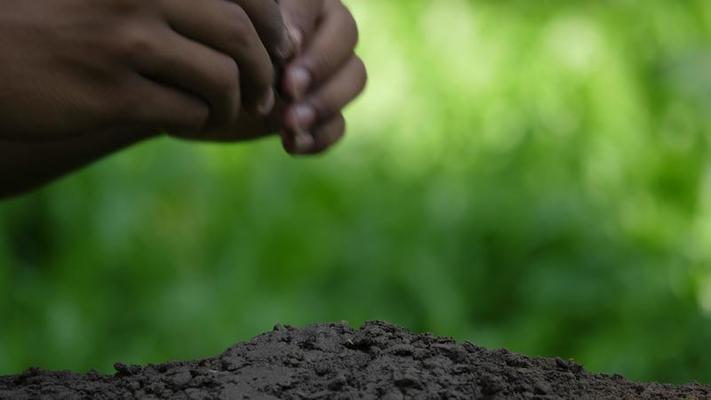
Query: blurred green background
[[524, 174]]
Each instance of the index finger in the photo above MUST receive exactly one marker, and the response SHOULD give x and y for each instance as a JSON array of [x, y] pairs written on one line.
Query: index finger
[[267, 19]]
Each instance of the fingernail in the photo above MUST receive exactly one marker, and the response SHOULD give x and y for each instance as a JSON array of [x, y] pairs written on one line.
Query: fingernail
[[286, 50], [266, 104], [299, 82], [296, 37], [304, 116], [303, 141]]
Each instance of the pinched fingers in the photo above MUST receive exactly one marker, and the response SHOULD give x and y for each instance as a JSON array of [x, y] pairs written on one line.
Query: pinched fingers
[[329, 47], [328, 134], [332, 96], [323, 104], [324, 136]]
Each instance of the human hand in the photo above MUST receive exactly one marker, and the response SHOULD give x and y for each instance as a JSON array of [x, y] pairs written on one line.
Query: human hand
[[317, 84], [323, 78], [72, 67]]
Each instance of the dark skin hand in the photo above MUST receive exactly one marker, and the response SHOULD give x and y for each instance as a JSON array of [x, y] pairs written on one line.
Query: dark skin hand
[[26, 166], [323, 78], [73, 67], [316, 85]]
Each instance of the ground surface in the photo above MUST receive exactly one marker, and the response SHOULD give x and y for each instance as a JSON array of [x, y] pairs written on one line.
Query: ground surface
[[334, 361]]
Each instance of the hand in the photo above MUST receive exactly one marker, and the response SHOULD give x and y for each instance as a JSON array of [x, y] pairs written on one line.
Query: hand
[[72, 67], [324, 77], [318, 83]]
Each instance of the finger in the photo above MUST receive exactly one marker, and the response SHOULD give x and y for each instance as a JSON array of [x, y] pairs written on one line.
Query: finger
[[329, 99], [331, 46], [324, 137], [301, 18], [198, 70], [227, 28], [156, 108], [267, 19], [329, 134]]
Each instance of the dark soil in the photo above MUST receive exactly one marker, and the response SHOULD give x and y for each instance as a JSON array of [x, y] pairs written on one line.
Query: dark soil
[[334, 361]]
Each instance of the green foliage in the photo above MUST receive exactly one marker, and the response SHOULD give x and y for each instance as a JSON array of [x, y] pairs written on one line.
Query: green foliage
[[530, 175]]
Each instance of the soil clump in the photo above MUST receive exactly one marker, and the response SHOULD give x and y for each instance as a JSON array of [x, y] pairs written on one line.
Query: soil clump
[[335, 361]]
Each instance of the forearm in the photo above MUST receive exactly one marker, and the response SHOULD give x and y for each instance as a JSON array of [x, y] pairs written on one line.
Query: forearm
[[27, 165]]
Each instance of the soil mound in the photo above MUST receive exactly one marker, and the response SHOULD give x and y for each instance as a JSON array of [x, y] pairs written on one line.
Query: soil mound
[[334, 361]]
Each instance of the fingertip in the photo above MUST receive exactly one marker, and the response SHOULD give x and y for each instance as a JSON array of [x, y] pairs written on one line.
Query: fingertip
[[300, 117], [297, 82], [298, 142], [331, 133], [266, 104], [303, 141], [286, 50], [296, 37]]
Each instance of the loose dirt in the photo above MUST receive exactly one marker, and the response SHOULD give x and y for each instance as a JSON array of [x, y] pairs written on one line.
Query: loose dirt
[[334, 361]]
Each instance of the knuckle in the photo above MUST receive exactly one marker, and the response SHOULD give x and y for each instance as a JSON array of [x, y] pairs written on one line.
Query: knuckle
[[240, 29], [329, 138], [333, 133], [263, 79], [227, 77], [346, 20], [322, 106], [362, 72], [319, 64], [351, 26], [339, 129], [226, 92], [134, 44]]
